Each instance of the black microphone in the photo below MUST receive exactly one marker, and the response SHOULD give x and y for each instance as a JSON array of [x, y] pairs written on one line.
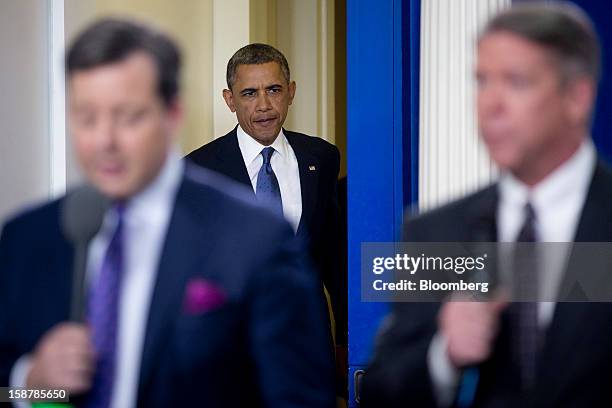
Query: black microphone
[[81, 216]]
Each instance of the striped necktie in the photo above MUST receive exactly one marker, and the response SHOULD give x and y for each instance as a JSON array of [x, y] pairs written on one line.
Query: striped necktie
[[103, 316]]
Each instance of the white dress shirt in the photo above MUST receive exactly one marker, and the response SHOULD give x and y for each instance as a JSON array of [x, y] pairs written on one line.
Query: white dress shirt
[[285, 166], [146, 220], [557, 202]]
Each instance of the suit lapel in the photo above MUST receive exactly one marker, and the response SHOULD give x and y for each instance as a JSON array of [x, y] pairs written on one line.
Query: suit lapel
[[482, 216], [308, 165], [180, 256], [230, 160], [594, 226], [597, 213]]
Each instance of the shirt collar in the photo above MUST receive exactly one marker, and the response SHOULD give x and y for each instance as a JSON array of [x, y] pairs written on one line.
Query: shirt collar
[[572, 177], [154, 202], [251, 148]]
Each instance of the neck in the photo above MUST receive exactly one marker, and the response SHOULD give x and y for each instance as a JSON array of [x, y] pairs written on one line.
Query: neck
[[542, 167]]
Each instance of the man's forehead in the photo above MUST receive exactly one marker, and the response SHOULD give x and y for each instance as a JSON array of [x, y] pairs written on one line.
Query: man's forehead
[[132, 80], [503, 39], [266, 70]]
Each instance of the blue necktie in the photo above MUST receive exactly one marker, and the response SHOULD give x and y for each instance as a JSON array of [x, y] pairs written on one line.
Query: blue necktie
[[104, 316], [267, 190]]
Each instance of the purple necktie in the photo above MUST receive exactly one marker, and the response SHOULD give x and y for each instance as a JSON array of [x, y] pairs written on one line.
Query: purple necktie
[[103, 316]]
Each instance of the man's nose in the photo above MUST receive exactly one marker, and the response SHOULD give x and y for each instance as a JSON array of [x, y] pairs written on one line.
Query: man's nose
[[263, 102], [106, 134], [491, 100]]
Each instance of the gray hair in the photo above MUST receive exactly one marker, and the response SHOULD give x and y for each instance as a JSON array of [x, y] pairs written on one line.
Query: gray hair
[[255, 54], [560, 27]]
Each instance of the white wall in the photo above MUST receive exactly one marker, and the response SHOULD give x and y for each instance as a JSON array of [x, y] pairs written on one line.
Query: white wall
[[297, 39], [77, 13], [24, 117], [231, 27]]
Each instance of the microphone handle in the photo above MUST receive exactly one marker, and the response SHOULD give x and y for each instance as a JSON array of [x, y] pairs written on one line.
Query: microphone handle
[[467, 387], [79, 268]]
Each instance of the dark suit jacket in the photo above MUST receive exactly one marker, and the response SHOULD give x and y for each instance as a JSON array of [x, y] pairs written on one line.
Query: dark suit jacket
[[266, 345], [575, 364], [320, 222]]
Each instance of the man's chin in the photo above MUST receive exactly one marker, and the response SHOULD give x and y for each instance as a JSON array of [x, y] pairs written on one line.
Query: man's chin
[[266, 138], [114, 191], [503, 159]]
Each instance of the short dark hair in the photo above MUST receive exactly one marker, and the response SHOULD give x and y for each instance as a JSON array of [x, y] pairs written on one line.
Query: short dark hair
[[560, 27], [256, 53], [111, 40]]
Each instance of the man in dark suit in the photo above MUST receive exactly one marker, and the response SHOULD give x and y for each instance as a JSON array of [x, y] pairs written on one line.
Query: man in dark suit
[[196, 297], [304, 168], [537, 73]]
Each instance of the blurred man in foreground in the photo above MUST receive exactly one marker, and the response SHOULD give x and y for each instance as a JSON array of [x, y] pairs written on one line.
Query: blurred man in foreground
[[195, 296], [537, 74]]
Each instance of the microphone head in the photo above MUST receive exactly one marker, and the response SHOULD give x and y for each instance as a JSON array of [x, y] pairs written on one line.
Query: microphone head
[[82, 213]]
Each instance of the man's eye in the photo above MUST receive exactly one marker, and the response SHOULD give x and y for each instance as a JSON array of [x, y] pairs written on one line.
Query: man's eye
[[518, 81], [85, 120], [130, 118], [249, 94], [274, 90], [481, 81]]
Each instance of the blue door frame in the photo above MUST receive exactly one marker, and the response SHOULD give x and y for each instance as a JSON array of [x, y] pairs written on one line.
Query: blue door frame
[[382, 144]]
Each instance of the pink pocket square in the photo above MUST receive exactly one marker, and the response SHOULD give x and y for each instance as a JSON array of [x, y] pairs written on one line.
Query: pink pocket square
[[202, 296]]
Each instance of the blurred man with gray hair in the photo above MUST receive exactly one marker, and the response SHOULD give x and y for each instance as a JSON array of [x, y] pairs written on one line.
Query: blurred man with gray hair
[[537, 73]]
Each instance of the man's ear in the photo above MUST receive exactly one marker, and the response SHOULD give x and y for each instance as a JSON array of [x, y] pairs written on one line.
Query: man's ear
[[580, 100], [291, 89], [229, 99]]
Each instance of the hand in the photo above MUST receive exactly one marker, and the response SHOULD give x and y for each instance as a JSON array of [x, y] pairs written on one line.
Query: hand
[[64, 358], [470, 329]]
